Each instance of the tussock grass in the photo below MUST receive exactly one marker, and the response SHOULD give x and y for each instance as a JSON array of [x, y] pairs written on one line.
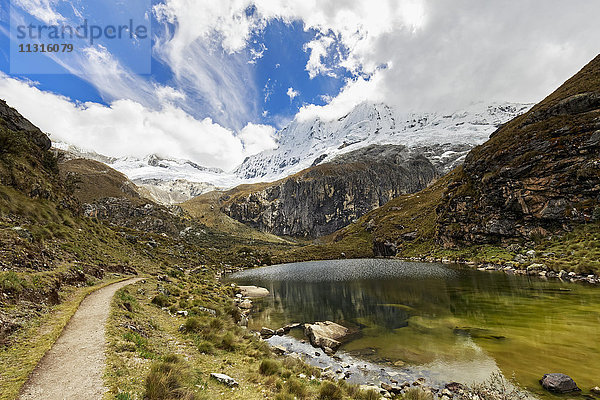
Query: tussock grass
[[417, 393], [269, 367], [167, 380], [330, 391]]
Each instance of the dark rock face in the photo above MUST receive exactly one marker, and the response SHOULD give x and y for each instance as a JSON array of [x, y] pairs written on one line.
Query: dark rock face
[[538, 175], [559, 383], [325, 198], [384, 248]]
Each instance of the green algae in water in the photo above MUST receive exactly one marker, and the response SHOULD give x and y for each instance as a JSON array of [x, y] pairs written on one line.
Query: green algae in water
[[469, 322]]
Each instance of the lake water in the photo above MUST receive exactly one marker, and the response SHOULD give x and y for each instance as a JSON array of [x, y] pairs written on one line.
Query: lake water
[[461, 324]]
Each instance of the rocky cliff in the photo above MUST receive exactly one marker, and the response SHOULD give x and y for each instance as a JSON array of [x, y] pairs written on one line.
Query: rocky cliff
[[537, 175], [327, 197]]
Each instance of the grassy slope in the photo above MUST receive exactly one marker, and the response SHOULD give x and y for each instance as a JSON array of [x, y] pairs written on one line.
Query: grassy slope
[[155, 354], [91, 180]]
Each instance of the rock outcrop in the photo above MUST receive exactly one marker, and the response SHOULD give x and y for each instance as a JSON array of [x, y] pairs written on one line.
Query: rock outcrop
[[14, 121], [327, 197], [537, 175]]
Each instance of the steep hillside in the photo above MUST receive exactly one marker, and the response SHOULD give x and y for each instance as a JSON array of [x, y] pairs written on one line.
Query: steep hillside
[[327, 197], [109, 196], [539, 175], [25, 163]]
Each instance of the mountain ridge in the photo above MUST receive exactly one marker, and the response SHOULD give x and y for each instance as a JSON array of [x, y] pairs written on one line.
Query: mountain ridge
[[442, 138], [304, 143]]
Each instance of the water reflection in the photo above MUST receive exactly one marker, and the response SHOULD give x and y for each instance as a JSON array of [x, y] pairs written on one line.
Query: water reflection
[[428, 314]]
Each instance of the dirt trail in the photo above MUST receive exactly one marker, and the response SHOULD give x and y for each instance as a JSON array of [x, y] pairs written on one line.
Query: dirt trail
[[74, 366]]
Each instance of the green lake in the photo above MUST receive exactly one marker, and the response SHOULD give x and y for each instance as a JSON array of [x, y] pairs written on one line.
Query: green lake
[[461, 323]]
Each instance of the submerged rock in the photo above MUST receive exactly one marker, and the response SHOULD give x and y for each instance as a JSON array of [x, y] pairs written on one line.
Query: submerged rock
[[267, 332], [559, 383]]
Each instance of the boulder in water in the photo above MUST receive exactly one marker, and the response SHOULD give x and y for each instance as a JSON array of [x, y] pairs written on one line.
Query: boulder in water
[[559, 383], [326, 335]]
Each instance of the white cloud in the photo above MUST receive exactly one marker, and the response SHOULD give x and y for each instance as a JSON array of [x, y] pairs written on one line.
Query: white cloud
[[355, 92], [414, 54], [128, 128], [292, 93], [318, 51], [257, 138], [439, 54]]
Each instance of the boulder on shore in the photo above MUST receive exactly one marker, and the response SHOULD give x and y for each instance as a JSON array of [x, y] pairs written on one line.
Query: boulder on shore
[[253, 291], [326, 335], [559, 383]]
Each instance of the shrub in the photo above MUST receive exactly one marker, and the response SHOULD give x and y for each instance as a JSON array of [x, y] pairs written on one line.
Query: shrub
[[10, 282], [269, 367], [192, 324], [161, 300], [216, 324], [329, 391], [206, 347], [228, 342], [368, 395], [166, 381]]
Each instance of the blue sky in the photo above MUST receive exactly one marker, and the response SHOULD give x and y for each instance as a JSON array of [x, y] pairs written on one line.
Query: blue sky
[[216, 80], [280, 66]]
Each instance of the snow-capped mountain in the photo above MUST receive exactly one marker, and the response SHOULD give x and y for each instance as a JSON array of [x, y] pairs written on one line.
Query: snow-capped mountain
[[443, 138], [167, 181]]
